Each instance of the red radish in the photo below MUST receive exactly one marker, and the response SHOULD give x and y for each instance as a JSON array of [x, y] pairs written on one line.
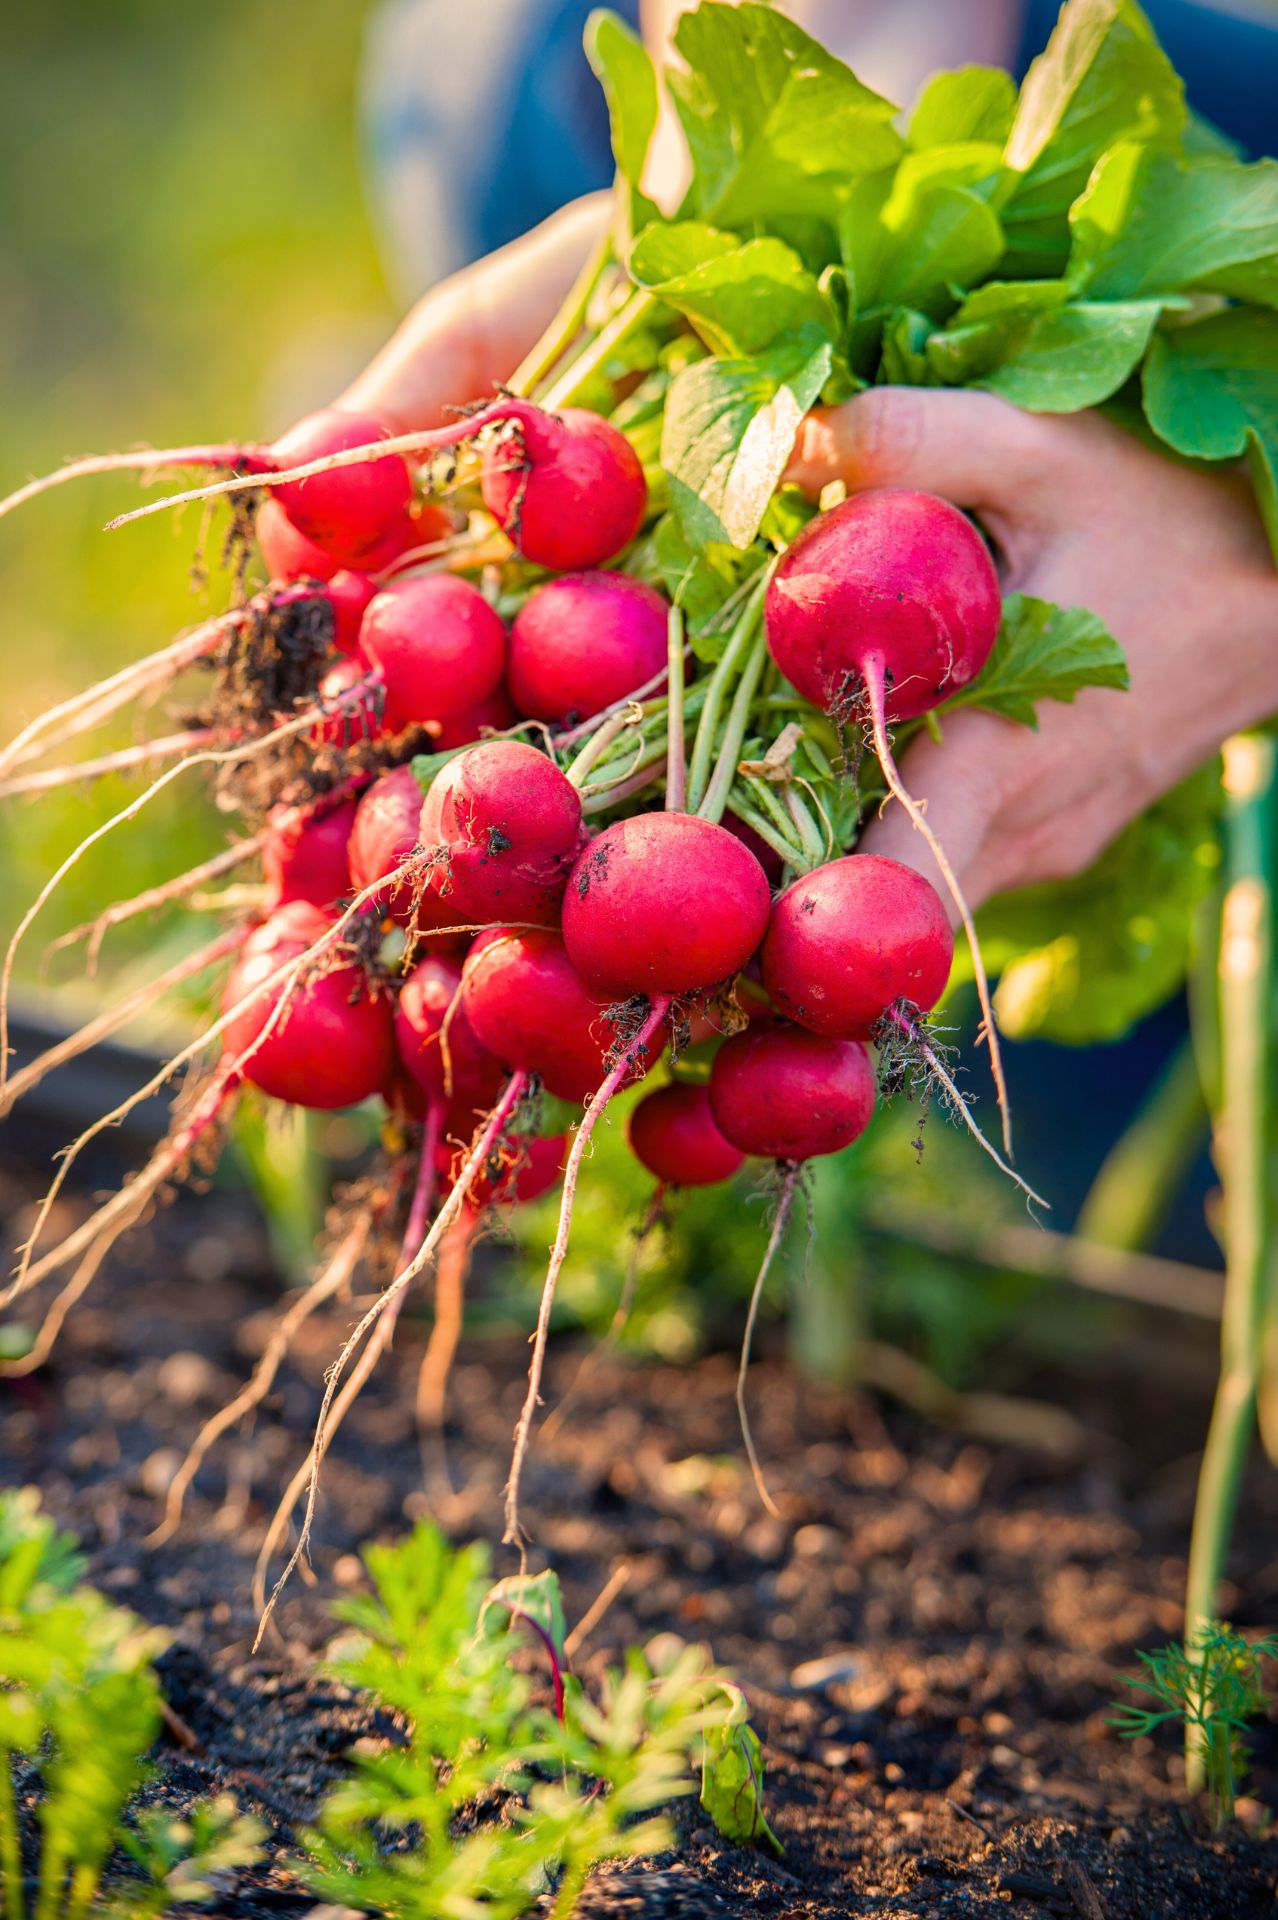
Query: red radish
[[891, 589], [584, 641], [673, 1134], [785, 1094], [383, 836], [440, 1048], [522, 1171], [853, 938], [493, 715], [768, 857], [333, 1043], [348, 594], [527, 1005], [505, 825], [437, 646], [567, 487], [351, 511], [305, 854], [288, 554], [891, 598], [663, 903], [356, 720]]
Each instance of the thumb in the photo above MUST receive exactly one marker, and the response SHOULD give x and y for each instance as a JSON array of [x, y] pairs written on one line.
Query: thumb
[[973, 448]]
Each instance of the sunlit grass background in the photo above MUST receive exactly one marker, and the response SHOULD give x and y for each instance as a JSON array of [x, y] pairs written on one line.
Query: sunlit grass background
[[184, 254]]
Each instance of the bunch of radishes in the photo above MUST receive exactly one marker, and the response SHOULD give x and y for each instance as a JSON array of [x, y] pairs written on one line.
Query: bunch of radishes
[[511, 846]]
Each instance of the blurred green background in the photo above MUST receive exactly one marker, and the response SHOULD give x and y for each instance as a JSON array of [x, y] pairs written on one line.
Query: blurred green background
[[184, 255]]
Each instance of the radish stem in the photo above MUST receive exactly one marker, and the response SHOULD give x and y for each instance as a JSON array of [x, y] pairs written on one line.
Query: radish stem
[[676, 766], [725, 672], [714, 805]]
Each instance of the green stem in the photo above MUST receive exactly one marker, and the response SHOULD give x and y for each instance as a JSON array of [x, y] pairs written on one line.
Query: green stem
[[595, 748], [815, 844], [571, 382], [676, 764], [1139, 1177], [725, 672], [768, 831], [715, 803], [610, 793], [10, 1845], [567, 323], [1245, 974]]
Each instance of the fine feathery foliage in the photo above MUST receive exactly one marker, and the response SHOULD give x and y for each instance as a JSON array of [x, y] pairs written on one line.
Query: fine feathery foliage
[[79, 1709], [491, 1801], [1213, 1688]]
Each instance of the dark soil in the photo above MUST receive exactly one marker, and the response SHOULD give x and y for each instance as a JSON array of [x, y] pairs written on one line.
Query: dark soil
[[971, 1605]]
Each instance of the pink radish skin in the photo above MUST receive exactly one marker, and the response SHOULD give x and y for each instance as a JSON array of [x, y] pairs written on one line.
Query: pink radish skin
[[568, 489], [306, 858], [785, 1094], [535, 1166], [527, 1005], [288, 554], [384, 834], [673, 1134], [439, 1047], [853, 938], [890, 585], [768, 857], [351, 511], [333, 1045], [506, 826], [437, 646], [348, 594], [664, 903], [584, 641], [493, 715]]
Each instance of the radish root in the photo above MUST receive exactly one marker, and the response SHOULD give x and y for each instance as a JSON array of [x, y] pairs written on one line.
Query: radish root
[[876, 695], [780, 1221], [615, 1079], [381, 1315], [143, 460]]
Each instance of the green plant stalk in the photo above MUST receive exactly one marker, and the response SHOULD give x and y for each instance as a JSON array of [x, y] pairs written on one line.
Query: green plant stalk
[[629, 318], [815, 843], [1129, 1197], [767, 831], [541, 359], [10, 1848], [714, 805], [676, 762], [1242, 1132], [726, 669]]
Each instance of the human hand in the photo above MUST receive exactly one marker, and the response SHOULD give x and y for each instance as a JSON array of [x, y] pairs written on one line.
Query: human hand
[[1175, 561], [468, 334]]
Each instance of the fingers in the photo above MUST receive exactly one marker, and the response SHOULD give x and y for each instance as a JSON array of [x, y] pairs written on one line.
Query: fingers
[[469, 333], [973, 448]]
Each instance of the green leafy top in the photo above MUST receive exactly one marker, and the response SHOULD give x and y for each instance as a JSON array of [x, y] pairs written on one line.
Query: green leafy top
[[1045, 246]]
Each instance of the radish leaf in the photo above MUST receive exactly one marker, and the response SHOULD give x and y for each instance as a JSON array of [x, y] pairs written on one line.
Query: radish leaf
[[1043, 652]]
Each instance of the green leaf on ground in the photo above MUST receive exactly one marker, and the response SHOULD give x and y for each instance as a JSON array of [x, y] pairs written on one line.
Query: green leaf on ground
[[1044, 652], [732, 1775]]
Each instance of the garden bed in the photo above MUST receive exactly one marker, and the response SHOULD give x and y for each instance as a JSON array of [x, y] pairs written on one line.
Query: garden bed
[[969, 1608]]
